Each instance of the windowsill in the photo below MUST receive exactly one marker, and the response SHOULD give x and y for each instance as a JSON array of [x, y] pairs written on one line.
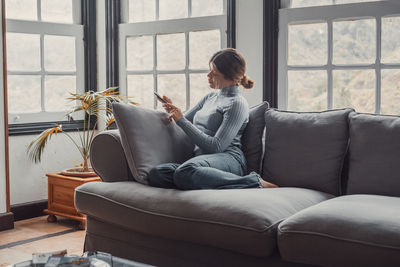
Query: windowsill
[[36, 128]]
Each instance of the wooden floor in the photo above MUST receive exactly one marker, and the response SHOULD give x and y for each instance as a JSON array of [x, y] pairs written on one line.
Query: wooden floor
[[37, 235]]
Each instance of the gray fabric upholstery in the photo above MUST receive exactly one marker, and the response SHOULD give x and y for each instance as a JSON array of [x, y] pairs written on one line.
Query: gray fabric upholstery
[[161, 252], [149, 139], [374, 155], [229, 219], [306, 149], [252, 137], [107, 157], [353, 230]]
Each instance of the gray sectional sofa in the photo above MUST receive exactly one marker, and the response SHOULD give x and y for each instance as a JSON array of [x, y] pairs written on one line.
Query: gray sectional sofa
[[338, 204]]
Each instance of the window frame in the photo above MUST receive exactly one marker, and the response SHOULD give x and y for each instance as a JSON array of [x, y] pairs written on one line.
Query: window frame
[[225, 23], [330, 14], [84, 30]]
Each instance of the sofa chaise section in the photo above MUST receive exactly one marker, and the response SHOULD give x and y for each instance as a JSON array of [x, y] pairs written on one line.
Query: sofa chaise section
[[243, 221]]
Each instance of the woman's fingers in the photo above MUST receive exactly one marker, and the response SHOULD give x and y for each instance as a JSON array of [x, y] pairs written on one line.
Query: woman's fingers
[[167, 99]]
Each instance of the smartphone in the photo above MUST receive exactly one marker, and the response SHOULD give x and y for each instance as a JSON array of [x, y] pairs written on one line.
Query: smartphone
[[160, 98]]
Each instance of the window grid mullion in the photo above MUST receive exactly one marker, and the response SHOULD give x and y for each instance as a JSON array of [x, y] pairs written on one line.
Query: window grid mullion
[[39, 9], [329, 69], [42, 76], [189, 8], [187, 53], [378, 91], [157, 9], [155, 76]]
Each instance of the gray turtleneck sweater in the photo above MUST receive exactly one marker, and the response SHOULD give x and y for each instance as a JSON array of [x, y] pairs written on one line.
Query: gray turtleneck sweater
[[217, 121]]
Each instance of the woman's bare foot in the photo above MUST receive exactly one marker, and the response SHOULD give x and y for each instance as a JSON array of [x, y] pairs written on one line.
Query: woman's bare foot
[[266, 184]]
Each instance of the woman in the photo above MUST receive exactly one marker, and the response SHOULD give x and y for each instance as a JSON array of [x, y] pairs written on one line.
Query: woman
[[215, 125]]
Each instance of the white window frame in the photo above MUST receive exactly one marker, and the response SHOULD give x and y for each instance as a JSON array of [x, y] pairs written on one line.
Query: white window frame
[[330, 14], [50, 28], [157, 27]]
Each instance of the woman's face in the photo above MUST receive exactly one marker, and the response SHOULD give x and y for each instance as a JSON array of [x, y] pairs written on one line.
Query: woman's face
[[216, 79]]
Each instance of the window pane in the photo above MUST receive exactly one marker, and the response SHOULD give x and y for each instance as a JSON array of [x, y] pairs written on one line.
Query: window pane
[[21, 9], [23, 51], [140, 88], [354, 42], [307, 3], [173, 9], [355, 89], [308, 37], [57, 90], [207, 8], [59, 53], [57, 11], [390, 40], [171, 51], [24, 93], [139, 53], [198, 87], [307, 90], [142, 10], [174, 87], [390, 92], [202, 45]]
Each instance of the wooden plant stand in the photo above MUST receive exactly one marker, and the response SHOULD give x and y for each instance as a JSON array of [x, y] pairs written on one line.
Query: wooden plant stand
[[61, 197]]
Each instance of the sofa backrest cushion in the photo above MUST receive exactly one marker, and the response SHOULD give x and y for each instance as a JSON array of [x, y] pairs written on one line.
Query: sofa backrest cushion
[[150, 139], [306, 149], [374, 155], [252, 137]]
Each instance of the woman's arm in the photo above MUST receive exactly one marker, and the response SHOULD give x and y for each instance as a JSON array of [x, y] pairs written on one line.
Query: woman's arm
[[233, 118]]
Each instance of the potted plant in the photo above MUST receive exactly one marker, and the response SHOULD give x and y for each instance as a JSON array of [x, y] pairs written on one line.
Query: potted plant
[[92, 104]]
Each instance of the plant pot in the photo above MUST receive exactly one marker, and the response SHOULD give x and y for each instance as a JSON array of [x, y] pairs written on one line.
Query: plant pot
[[78, 172]]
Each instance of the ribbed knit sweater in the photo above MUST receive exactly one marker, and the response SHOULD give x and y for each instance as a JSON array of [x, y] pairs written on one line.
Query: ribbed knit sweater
[[217, 121]]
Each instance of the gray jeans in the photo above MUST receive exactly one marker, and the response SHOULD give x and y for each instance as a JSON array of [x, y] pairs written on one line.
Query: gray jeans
[[209, 171]]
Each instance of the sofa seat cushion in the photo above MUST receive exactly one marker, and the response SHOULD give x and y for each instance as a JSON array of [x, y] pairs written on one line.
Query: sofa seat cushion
[[241, 220], [353, 230]]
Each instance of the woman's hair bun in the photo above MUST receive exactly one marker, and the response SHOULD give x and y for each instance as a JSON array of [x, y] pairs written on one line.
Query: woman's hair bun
[[246, 82]]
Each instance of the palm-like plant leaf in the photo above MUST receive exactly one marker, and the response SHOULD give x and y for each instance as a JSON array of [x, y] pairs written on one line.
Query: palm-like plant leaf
[[36, 147]]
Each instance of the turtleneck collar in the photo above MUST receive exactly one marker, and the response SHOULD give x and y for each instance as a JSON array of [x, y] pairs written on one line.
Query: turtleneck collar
[[229, 91]]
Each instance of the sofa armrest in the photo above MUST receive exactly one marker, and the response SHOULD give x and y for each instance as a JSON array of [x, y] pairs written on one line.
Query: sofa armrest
[[108, 158]]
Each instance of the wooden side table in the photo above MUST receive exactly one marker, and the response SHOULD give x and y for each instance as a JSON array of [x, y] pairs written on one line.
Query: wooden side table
[[61, 197]]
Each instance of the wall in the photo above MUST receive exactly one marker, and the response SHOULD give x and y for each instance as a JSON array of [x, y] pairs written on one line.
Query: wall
[[28, 181], [249, 41]]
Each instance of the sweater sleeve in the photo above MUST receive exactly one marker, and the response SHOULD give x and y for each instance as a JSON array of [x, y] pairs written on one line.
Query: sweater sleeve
[[189, 115], [233, 118]]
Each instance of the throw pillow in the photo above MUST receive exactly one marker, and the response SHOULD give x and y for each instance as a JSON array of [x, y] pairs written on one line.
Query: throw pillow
[[150, 139], [252, 137], [374, 155], [306, 149]]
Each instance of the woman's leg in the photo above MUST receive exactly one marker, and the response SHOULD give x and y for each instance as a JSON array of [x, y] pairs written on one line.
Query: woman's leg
[[214, 171], [162, 175]]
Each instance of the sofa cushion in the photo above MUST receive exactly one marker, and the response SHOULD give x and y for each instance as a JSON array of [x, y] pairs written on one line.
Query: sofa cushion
[[353, 230], [241, 220], [374, 162], [306, 149], [252, 137], [149, 139]]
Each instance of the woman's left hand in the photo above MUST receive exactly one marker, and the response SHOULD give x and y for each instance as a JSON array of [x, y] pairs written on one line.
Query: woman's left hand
[[174, 112]]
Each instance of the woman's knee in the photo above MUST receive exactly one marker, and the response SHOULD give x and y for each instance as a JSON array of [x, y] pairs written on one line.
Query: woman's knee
[[183, 176]]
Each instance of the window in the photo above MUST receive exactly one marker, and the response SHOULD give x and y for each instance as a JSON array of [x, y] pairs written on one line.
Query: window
[[165, 46], [343, 55], [45, 58]]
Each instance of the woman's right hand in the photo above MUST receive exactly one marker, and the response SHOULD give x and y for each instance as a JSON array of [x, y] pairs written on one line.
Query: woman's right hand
[[166, 107]]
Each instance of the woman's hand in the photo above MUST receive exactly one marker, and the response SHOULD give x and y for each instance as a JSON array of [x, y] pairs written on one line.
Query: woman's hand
[[167, 109], [174, 112]]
